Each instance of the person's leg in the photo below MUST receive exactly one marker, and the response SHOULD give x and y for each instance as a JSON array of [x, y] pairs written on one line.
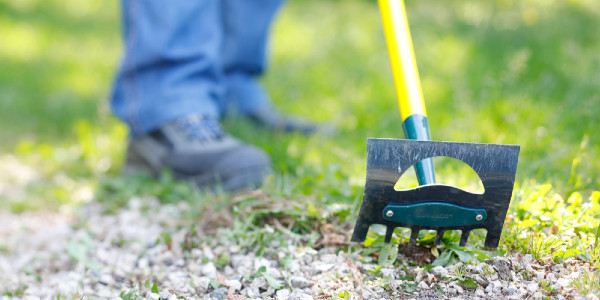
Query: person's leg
[[246, 32], [171, 66], [167, 91], [246, 27]]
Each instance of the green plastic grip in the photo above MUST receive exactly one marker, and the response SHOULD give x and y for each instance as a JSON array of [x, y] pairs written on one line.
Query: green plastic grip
[[434, 213], [416, 127]]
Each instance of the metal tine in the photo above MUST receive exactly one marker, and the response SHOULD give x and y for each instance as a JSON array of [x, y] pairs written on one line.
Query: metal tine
[[388, 233], [464, 237], [439, 236], [414, 233]]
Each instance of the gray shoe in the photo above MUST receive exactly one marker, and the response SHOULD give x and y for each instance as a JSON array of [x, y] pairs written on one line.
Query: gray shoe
[[198, 150], [271, 119]]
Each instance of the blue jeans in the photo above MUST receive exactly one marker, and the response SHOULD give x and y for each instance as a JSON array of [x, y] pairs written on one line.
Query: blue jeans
[[191, 56]]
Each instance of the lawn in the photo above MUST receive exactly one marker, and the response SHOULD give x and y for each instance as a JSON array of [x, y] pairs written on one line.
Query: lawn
[[511, 72]]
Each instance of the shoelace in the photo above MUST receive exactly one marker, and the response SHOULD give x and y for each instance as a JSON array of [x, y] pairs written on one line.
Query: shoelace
[[198, 128]]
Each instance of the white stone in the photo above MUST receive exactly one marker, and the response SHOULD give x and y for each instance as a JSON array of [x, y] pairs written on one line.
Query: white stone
[[196, 253], [275, 273], [388, 272], [228, 271], [321, 267], [236, 285], [329, 258], [297, 295], [459, 289], [202, 283], [574, 275], [511, 289], [164, 294], [480, 281], [261, 262], [283, 294], [526, 260], [270, 291], [497, 286], [209, 270], [258, 283], [533, 287], [106, 279], [438, 271], [208, 253], [563, 283], [522, 291], [300, 282], [540, 275]]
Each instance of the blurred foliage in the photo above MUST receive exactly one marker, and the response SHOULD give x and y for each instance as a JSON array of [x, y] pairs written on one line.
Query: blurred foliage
[[56, 62]]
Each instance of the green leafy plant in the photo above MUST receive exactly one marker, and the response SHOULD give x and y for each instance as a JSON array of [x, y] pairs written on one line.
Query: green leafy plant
[[588, 282], [131, 294], [17, 293], [262, 272]]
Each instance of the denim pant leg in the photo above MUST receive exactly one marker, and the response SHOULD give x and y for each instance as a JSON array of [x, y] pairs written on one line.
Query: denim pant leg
[[172, 64], [246, 30]]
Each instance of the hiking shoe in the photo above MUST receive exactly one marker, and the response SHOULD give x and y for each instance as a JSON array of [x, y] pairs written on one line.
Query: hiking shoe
[[275, 121], [198, 150]]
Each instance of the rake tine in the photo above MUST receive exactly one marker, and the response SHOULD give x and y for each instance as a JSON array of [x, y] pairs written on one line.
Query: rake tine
[[439, 236], [388, 234], [414, 233], [464, 237]]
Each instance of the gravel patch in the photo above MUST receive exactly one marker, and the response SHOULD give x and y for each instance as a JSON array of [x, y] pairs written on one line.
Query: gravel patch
[[144, 251]]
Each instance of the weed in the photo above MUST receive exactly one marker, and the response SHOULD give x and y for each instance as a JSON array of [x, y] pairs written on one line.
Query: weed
[[344, 295], [468, 283], [131, 294], [409, 287], [222, 260], [271, 281], [459, 272], [547, 288], [588, 282], [17, 293]]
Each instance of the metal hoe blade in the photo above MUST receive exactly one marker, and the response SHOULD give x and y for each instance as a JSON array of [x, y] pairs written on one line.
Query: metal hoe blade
[[438, 207]]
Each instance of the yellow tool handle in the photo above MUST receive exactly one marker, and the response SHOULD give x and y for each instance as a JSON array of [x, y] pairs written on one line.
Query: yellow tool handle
[[406, 77], [402, 57]]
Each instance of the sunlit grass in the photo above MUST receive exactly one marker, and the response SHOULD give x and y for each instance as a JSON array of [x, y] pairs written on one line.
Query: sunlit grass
[[56, 63]]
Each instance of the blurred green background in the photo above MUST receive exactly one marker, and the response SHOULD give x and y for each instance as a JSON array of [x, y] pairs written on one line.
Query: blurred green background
[[518, 72]]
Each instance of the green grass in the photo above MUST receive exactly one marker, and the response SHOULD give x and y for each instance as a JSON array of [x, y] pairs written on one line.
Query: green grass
[[492, 71]]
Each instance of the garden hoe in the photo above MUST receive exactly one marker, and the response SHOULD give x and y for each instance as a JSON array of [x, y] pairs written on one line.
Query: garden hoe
[[429, 206]]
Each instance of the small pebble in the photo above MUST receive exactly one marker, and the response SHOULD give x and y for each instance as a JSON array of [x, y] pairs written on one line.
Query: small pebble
[[438, 271], [533, 287], [283, 294], [296, 295], [300, 282], [123, 247], [218, 293]]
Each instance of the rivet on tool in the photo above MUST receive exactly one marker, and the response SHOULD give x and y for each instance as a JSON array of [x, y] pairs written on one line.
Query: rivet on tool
[[479, 217], [389, 213]]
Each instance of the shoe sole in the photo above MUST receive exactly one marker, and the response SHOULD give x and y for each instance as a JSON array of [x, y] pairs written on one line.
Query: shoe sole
[[250, 176]]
